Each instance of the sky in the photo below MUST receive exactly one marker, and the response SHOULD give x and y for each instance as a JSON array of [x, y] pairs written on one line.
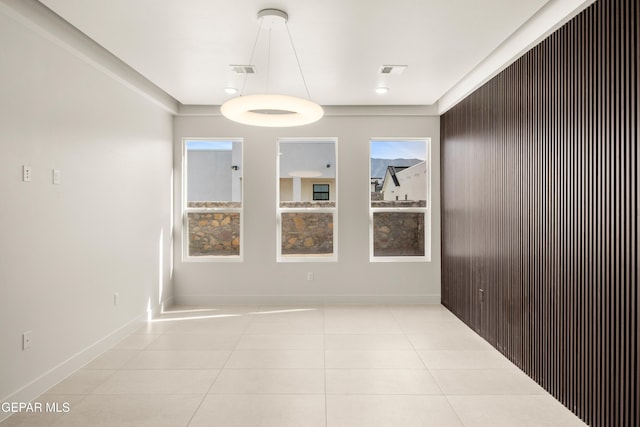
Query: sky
[[209, 145], [398, 150]]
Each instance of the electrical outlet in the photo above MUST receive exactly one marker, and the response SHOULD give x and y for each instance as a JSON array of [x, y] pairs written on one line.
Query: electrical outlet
[[26, 340], [116, 299], [310, 276], [26, 173], [56, 176]]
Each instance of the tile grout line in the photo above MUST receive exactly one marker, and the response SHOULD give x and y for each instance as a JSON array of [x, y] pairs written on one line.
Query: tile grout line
[[204, 397], [423, 363], [446, 396], [324, 364], [432, 377]]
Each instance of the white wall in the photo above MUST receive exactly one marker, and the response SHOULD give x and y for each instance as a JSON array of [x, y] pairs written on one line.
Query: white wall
[[66, 249], [307, 157], [209, 176], [353, 279]]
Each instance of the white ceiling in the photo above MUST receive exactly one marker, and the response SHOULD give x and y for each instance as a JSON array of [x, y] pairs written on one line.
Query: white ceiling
[[185, 47]]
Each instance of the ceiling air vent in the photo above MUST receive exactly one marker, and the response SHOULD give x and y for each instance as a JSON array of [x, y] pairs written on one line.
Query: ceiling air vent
[[243, 69], [392, 69]]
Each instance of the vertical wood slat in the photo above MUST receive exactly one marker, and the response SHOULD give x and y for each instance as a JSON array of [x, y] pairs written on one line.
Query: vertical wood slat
[[540, 210]]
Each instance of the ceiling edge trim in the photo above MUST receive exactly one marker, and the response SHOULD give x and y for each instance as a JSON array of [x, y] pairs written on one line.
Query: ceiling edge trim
[[549, 18], [332, 110], [42, 20]]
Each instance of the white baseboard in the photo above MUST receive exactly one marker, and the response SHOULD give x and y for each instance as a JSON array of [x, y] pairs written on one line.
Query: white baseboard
[[52, 377], [305, 299], [166, 304]]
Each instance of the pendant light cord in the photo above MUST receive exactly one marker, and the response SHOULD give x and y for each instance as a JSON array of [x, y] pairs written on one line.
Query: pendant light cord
[[253, 51], [268, 60], [295, 53]]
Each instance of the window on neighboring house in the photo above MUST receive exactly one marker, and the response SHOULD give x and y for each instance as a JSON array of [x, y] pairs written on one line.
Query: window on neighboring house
[[320, 191], [400, 200], [212, 200], [307, 178]]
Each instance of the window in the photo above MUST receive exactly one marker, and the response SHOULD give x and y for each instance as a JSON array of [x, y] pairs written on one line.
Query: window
[[212, 200], [400, 194], [307, 177], [320, 191]]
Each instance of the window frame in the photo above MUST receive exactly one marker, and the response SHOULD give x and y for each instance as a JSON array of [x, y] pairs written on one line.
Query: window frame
[[185, 210], [328, 192], [426, 210], [333, 210]]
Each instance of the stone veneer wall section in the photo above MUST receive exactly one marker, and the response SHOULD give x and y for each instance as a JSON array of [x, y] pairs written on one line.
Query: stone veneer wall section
[[213, 230], [305, 233], [398, 233], [214, 233]]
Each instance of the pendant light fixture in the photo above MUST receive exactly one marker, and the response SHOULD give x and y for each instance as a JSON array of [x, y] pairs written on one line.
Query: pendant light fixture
[[267, 109]]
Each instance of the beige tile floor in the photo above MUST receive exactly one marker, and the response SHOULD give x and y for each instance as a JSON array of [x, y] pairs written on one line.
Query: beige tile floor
[[330, 366]]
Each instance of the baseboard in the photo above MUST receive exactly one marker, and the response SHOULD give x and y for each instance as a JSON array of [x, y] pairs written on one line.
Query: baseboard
[[305, 299], [158, 309], [167, 303], [52, 377]]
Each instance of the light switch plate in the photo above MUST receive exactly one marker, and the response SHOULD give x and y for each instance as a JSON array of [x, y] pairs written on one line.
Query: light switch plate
[[26, 340], [26, 173]]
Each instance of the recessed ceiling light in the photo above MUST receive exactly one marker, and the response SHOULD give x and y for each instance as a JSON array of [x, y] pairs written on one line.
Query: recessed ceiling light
[[382, 90], [230, 90]]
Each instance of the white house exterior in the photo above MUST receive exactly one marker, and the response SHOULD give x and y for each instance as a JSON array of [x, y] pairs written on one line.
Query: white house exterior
[[405, 183], [303, 165], [215, 175]]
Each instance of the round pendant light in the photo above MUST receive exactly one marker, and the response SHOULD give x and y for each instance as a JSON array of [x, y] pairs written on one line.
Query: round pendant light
[[267, 109], [272, 110]]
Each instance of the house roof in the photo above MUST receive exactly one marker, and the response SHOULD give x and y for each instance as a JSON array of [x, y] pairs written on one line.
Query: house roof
[[391, 172]]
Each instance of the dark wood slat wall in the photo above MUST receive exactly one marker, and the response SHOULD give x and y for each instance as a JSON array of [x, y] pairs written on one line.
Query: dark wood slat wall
[[540, 213]]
